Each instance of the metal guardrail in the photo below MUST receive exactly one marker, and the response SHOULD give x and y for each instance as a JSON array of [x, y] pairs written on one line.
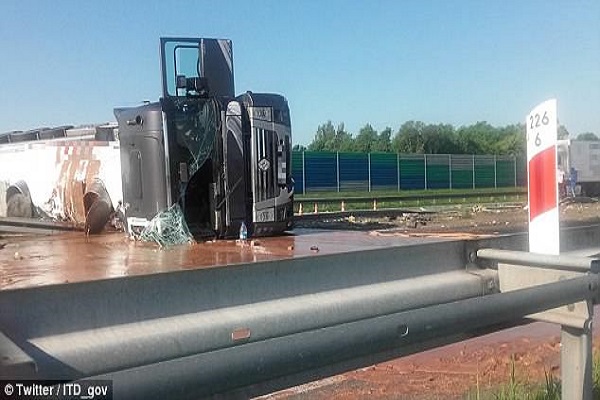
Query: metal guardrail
[[245, 330], [499, 193], [311, 204], [518, 270], [30, 225], [563, 263]]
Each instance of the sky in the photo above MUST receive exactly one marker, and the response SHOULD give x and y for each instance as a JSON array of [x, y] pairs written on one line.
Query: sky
[[357, 62]]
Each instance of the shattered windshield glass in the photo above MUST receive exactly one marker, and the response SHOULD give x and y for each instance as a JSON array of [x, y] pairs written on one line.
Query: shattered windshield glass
[[196, 126]]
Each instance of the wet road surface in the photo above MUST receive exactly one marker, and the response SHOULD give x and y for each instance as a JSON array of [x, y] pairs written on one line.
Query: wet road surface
[[73, 257]]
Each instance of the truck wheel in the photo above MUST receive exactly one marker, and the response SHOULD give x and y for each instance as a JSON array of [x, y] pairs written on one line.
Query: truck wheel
[[18, 201], [19, 205], [98, 207]]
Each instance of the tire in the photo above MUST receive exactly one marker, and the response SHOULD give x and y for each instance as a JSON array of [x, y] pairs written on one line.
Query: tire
[[19, 205]]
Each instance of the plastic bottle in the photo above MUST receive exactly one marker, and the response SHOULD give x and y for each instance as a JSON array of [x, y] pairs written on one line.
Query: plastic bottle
[[243, 231]]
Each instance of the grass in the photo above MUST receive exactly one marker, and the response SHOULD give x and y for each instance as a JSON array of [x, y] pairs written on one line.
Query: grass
[[515, 389]]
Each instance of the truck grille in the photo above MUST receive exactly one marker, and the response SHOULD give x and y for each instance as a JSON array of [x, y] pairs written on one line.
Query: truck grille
[[266, 164]]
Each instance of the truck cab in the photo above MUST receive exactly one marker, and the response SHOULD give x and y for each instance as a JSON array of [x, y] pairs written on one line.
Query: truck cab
[[224, 159]]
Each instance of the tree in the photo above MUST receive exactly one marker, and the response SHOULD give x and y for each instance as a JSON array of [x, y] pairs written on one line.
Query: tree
[[587, 136], [384, 141], [472, 139], [366, 139], [439, 139], [418, 137], [513, 140], [409, 138], [323, 138], [298, 147], [563, 133], [329, 138], [343, 140]]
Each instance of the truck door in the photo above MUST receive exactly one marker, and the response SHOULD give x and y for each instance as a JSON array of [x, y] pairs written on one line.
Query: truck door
[[197, 76], [235, 145]]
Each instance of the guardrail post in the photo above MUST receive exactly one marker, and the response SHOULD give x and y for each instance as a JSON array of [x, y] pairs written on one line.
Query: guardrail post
[[576, 363], [519, 270]]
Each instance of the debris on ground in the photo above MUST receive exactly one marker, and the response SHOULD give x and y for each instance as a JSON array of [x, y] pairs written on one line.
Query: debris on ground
[[474, 219], [167, 228], [578, 200], [447, 235], [413, 220]]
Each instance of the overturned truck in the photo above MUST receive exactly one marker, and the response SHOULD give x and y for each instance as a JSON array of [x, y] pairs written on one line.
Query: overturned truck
[[224, 160]]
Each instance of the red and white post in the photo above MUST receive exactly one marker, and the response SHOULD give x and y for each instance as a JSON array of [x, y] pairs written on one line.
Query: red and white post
[[542, 132], [576, 342]]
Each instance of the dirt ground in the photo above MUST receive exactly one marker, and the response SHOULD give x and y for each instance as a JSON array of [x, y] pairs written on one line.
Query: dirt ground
[[457, 371], [460, 370], [478, 219]]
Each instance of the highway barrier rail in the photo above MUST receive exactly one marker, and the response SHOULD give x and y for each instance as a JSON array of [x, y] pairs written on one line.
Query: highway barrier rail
[[307, 205], [249, 329]]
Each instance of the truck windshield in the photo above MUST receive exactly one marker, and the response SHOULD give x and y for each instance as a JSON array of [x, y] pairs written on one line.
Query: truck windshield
[[195, 130]]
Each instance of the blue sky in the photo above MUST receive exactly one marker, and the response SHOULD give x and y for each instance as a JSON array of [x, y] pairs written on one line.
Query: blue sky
[[357, 62]]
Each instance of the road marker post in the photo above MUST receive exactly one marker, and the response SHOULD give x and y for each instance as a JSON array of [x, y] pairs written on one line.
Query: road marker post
[[544, 238], [542, 187]]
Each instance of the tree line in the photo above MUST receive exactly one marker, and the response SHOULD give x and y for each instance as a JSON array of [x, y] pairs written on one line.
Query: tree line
[[421, 138]]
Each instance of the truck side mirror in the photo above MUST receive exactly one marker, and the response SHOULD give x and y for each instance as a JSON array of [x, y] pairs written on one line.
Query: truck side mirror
[[197, 85]]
